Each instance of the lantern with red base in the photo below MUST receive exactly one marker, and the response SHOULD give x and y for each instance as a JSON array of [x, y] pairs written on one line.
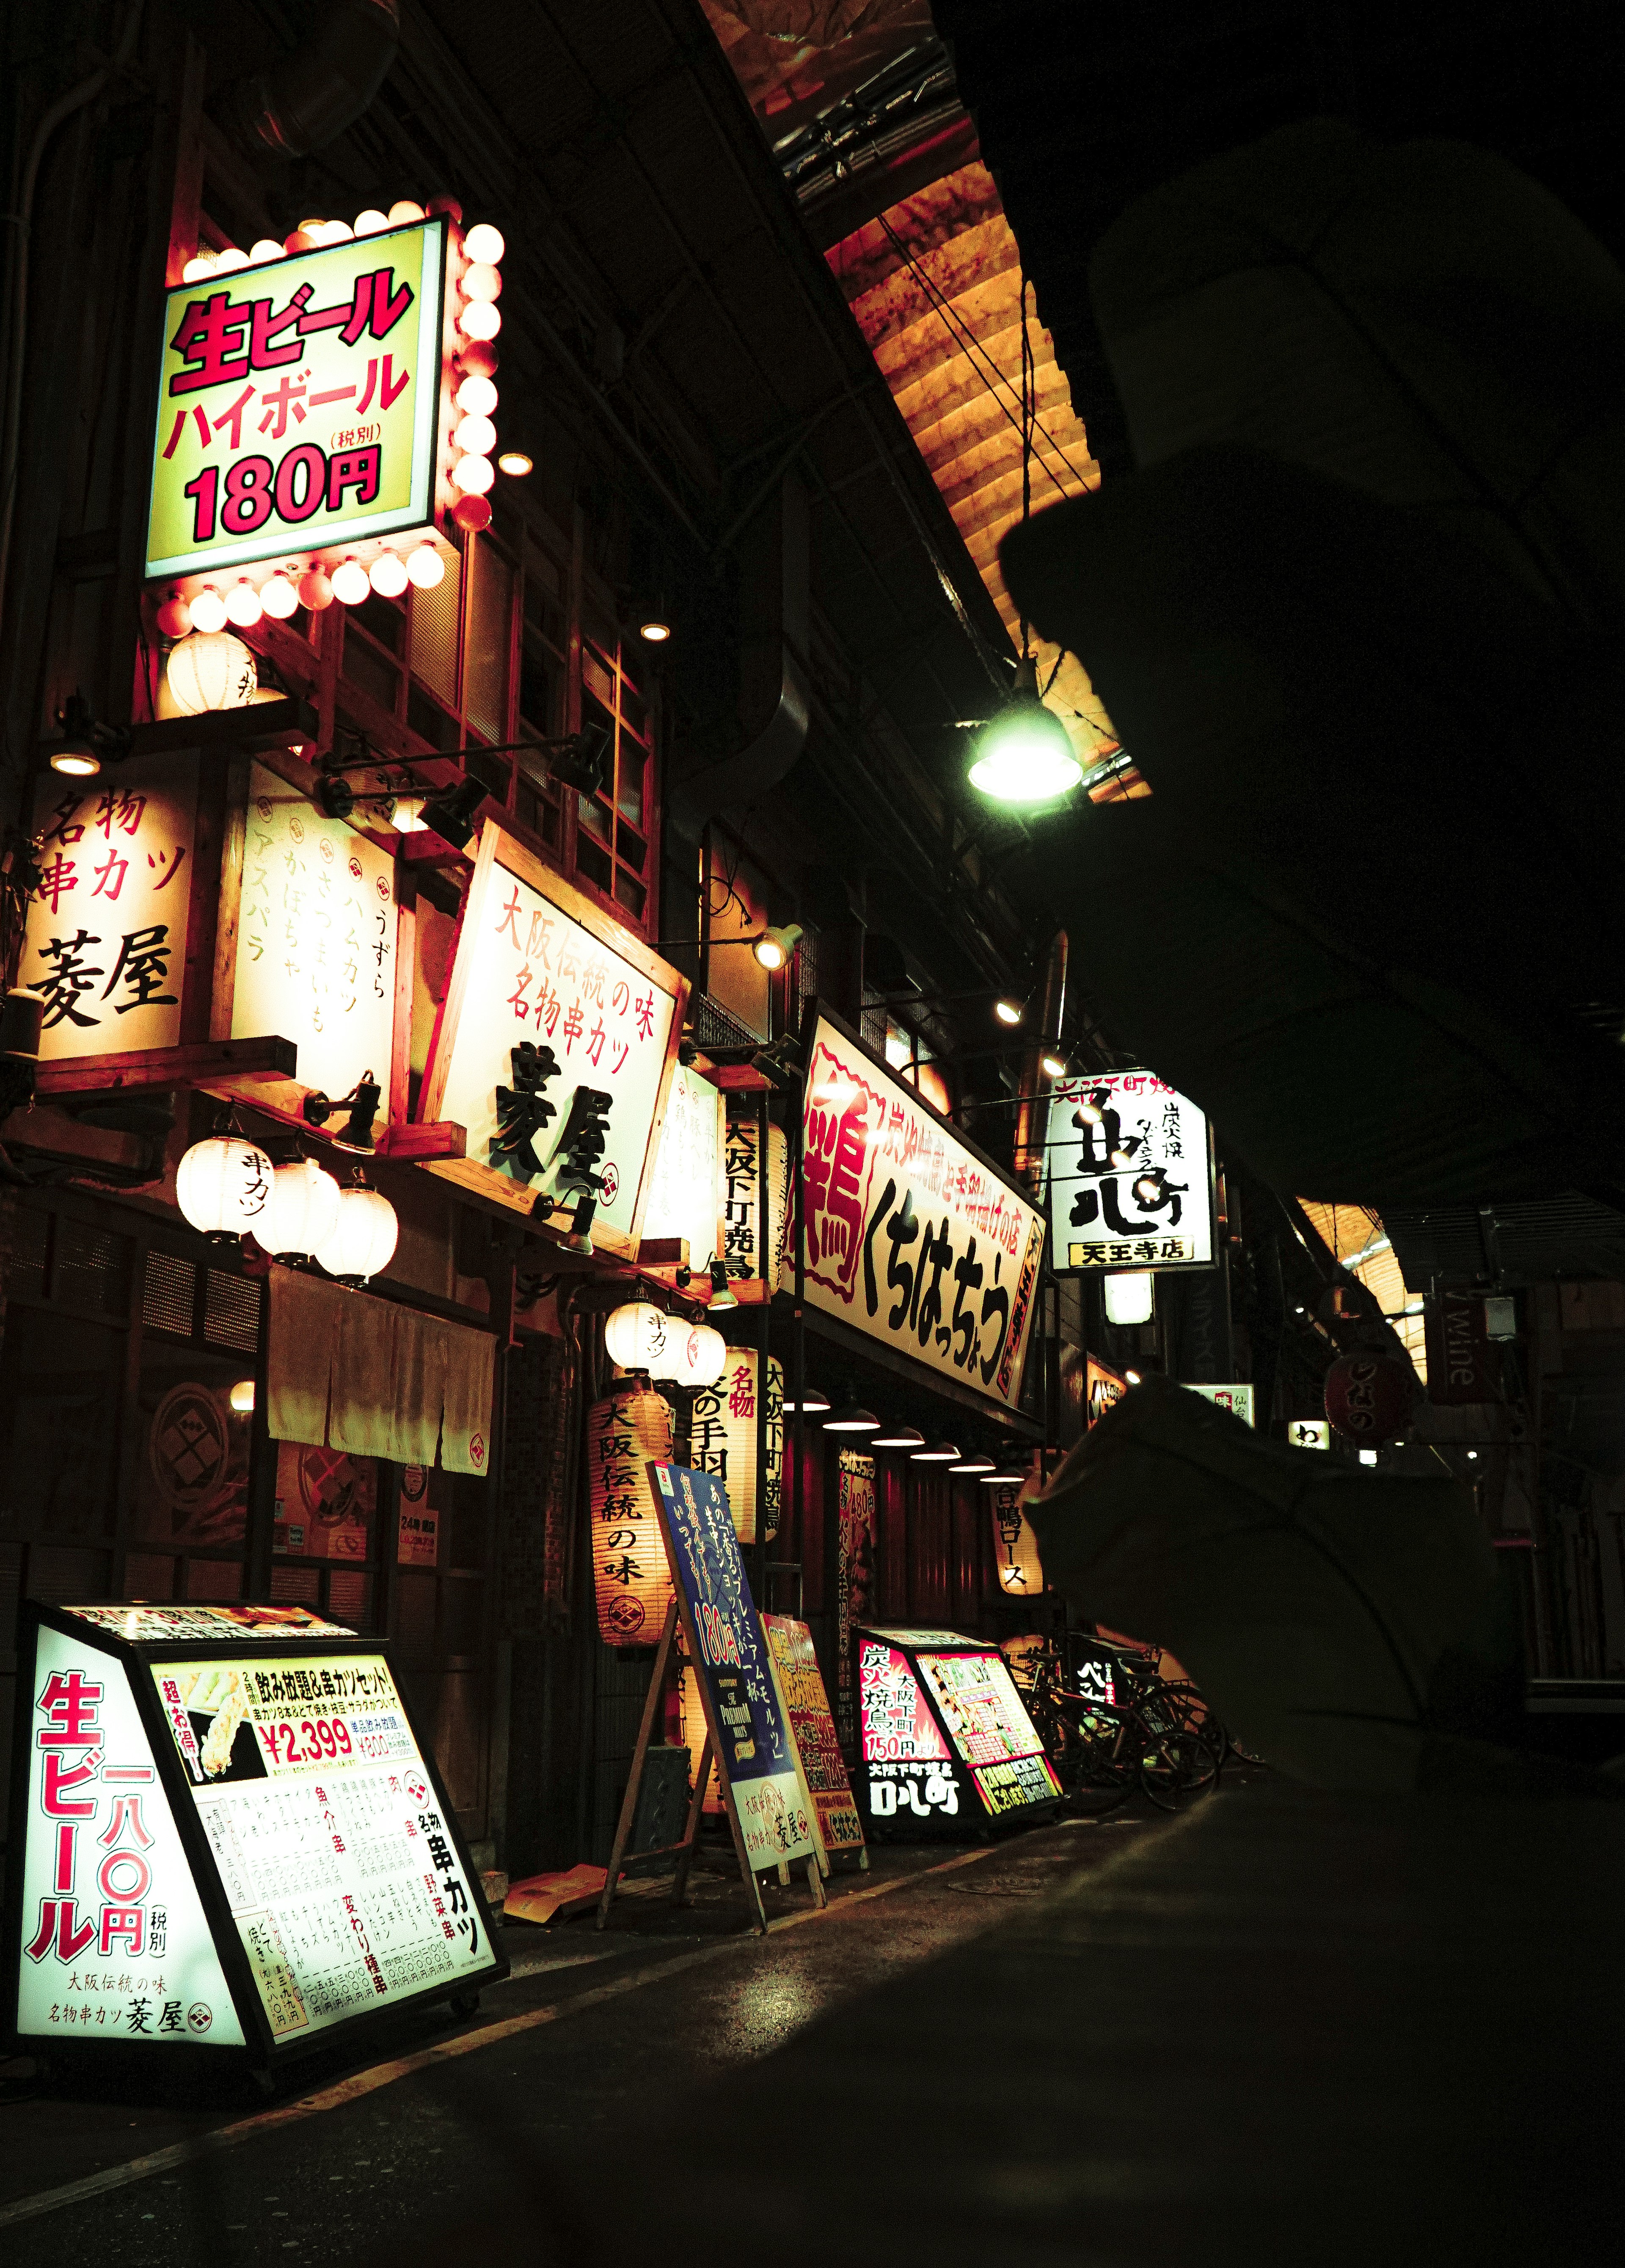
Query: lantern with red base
[[1369, 1395]]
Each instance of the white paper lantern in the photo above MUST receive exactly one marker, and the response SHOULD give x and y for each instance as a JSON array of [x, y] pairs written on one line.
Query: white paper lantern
[[363, 1244], [224, 1188], [702, 1351], [722, 1437], [639, 1337], [303, 1212], [210, 670]]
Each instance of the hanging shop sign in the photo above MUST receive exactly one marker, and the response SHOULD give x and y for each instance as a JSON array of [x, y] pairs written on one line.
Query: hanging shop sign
[[106, 940], [1460, 1367], [1236, 1398], [315, 940], [854, 1576], [1016, 1547], [554, 1047], [1131, 1177], [1308, 1433], [799, 1683], [419, 1537], [740, 1192], [1104, 1388], [723, 1637], [232, 1837], [683, 1200], [947, 1746], [912, 1238], [630, 1582], [300, 404], [723, 1433]]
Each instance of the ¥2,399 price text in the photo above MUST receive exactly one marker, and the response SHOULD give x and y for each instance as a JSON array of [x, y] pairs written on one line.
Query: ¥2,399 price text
[[309, 1743]]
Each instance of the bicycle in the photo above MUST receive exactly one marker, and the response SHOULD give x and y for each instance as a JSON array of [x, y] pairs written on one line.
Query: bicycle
[[1117, 1723]]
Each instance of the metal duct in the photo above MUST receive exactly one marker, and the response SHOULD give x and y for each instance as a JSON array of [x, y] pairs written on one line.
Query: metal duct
[[774, 695], [311, 96]]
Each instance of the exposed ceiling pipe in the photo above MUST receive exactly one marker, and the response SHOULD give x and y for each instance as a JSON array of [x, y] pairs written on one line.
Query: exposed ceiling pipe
[[1033, 1116], [775, 698], [311, 96]]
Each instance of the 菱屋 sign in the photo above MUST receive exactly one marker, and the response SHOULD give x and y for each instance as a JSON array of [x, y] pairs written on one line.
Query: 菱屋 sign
[[1131, 1176], [911, 1237], [554, 1047], [104, 945], [300, 403], [315, 939]]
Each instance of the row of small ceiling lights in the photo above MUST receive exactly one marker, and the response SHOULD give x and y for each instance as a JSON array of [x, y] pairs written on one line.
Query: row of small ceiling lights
[[479, 320]]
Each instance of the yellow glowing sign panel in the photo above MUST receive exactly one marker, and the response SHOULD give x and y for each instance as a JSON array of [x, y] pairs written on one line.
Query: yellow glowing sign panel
[[300, 403]]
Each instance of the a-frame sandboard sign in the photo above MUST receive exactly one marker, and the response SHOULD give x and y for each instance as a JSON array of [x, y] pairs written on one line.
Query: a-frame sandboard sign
[[770, 1813]]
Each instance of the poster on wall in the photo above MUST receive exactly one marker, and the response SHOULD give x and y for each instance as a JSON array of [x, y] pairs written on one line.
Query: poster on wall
[[683, 1183], [105, 942], [229, 1845], [1131, 1177], [854, 1578], [947, 1746], [315, 940], [799, 1683], [729, 1655], [912, 1238], [1236, 1398], [298, 403], [554, 1047]]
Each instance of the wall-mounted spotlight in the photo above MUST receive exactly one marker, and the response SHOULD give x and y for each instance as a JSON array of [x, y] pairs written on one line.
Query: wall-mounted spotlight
[[722, 1291], [1008, 1010], [580, 1237], [362, 1102], [774, 947], [86, 746], [451, 813]]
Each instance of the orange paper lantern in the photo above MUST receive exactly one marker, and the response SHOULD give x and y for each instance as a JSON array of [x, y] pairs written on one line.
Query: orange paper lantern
[[630, 1580], [1016, 1547], [722, 1437]]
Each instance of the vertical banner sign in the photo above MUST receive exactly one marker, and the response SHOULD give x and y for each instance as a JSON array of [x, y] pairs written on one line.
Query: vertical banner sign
[[740, 1193], [554, 1047], [807, 1709], [630, 1583], [726, 1647], [912, 1238], [316, 939], [722, 1437], [688, 1158], [104, 945], [299, 404], [854, 1576], [1131, 1177], [1458, 1356], [114, 1945]]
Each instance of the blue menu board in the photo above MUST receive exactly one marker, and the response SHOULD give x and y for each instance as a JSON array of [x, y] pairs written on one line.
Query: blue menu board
[[724, 1643]]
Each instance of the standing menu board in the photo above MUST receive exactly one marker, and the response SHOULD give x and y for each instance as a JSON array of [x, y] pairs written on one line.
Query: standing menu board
[[948, 1746], [724, 1640], [806, 1706], [230, 1834]]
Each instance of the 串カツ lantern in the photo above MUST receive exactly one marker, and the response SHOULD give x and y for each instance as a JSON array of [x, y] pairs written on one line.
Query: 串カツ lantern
[[640, 1336], [1016, 1547], [722, 1437], [631, 1583], [223, 1188], [1368, 1397]]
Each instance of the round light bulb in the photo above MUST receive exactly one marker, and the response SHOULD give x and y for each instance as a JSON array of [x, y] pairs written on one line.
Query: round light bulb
[[338, 232], [370, 222], [1023, 756], [242, 605], [278, 597], [425, 568], [514, 463], [477, 435], [315, 589], [654, 632], [479, 319], [473, 476], [471, 512], [230, 259], [208, 610], [267, 248], [483, 242], [481, 281], [299, 241], [195, 271], [404, 209], [350, 581], [476, 397], [175, 616], [387, 574], [241, 1397], [314, 229]]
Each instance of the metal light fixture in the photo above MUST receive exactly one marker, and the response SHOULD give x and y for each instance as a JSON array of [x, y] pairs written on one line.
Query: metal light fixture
[[774, 947], [1002, 1477], [86, 746], [1023, 755], [939, 1453], [1131, 1296], [975, 1463], [1008, 1010], [722, 1291], [451, 813], [851, 1417], [899, 1437], [515, 464], [813, 1403], [362, 1102], [336, 796], [580, 1237], [579, 760], [1052, 1063]]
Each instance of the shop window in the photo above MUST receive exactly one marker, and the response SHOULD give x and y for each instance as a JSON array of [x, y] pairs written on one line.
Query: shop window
[[488, 661], [612, 843]]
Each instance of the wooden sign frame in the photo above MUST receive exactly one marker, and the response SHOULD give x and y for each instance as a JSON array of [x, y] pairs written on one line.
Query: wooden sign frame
[[712, 1756], [498, 849]]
